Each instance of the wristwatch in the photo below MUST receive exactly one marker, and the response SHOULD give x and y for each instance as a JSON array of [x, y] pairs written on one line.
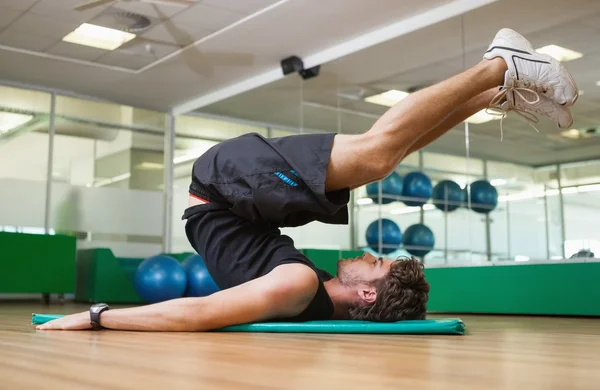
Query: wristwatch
[[95, 311]]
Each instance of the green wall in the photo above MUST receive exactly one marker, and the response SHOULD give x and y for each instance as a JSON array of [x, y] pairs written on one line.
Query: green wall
[[327, 259], [102, 277], [549, 289], [34, 263], [47, 264], [545, 289]]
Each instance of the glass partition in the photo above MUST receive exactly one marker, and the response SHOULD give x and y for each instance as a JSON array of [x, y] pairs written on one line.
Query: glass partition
[[108, 188], [24, 123], [581, 199], [108, 176]]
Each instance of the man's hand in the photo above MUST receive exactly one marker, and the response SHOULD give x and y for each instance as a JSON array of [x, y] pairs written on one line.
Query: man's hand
[[77, 321]]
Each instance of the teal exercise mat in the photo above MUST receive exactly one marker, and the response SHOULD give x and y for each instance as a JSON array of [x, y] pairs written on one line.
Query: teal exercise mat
[[442, 326]]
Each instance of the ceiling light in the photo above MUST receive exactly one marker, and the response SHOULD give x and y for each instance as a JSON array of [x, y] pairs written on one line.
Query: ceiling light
[[151, 166], [114, 179], [589, 188], [482, 117], [10, 120], [192, 155], [598, 83], [405, 210], [530, 195], [389, 98], [98, 36], [364, 201], [569, 190], [571, 134], [559, 53], [498, 182]]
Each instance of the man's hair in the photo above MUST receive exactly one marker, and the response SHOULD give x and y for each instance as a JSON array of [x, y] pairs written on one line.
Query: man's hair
[[401, 295]]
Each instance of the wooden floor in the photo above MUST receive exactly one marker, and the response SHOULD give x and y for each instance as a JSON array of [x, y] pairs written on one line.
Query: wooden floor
[[499, 353]]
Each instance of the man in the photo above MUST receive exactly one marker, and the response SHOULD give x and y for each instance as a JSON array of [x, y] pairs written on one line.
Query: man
[[244, 189]]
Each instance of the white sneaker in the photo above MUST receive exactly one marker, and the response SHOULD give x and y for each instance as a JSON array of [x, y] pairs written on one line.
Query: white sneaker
[[531, 70], [528, 103]]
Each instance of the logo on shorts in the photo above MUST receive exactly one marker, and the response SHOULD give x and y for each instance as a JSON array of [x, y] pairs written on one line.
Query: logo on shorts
[[286, 179]]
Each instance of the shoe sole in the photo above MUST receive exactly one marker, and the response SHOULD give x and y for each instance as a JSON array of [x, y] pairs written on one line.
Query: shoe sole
[[574, 86]]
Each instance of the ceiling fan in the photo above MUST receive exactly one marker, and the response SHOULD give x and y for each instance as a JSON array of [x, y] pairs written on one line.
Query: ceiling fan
[[97, 3]]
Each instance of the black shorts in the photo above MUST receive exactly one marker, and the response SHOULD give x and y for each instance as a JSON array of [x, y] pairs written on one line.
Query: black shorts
[[253, 187], [280, 180]]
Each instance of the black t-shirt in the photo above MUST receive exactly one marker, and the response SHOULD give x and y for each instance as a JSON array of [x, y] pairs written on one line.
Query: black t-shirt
[[236, 251]]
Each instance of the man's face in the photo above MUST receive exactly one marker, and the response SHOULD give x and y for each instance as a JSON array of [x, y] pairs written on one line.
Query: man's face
[[365, 269]]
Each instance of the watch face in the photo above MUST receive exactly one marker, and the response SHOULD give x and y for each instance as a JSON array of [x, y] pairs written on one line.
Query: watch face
[[98, 306]]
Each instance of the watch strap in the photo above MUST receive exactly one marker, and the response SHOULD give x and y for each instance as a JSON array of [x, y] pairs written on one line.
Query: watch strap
[[95, 312]]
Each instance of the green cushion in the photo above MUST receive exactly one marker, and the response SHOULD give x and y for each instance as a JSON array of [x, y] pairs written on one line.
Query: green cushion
[[441, 326]]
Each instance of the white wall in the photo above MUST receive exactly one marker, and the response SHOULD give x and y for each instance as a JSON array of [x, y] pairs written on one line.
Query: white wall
[[25, 157], [318, 235], [103, 212]]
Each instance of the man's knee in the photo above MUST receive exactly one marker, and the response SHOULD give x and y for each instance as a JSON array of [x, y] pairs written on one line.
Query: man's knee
[[384, 159], [383, 167]]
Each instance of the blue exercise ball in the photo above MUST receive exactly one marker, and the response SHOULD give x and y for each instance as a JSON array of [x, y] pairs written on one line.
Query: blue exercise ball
[[160, 278], [418, 186], [391, 185], [199, 281], [418, 240], [447, 195], [484, 197], [391, 236]]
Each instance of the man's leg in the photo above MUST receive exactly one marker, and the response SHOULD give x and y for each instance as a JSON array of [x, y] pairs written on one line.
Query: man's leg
[[473, 106], [510, 62], [478, 103], [359, 159]]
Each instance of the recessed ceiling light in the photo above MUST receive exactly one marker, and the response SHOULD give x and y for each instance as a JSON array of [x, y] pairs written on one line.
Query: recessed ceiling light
[[189, 156], [10, 120], [482, 117], [498, 182], [388, 99], [405, 210], [559, 53], [571, 134], [114, 179], [598, 83], [151, 166], [589, 188], [569, 190], [98, 37], [364, 201]]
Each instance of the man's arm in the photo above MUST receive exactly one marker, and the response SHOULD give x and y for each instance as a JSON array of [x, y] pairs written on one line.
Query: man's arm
[[284, 292]]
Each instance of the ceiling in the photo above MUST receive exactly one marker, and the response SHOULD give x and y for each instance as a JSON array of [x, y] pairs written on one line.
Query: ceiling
[[215, 45], [432, 54], [187, 51]]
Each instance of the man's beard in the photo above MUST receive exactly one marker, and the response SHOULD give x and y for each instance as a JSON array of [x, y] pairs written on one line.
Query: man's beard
[[347, 279]]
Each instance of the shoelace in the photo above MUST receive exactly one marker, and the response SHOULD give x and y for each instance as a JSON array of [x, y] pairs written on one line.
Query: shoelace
[[536, 86], [498, 109]]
